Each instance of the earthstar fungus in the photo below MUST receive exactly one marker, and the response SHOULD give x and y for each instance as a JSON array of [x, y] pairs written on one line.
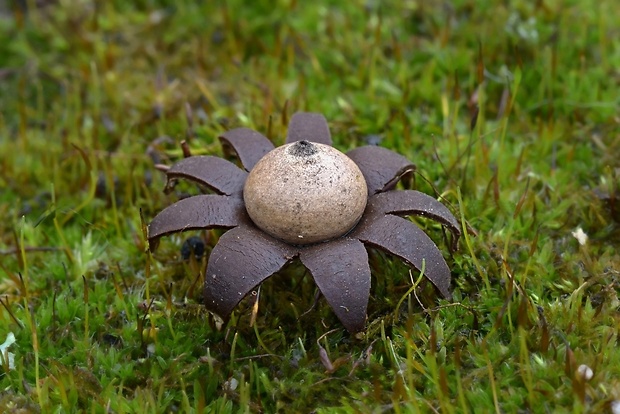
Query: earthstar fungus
[[309, 201]]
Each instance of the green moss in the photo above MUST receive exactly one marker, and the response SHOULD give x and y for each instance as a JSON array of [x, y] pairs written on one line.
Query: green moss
[[512, 106]]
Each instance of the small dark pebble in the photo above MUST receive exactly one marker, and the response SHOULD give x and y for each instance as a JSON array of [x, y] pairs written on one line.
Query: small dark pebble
[[193, 244], [112, 340], [101, 188], [373, 139], [148, 178], [39, 202]]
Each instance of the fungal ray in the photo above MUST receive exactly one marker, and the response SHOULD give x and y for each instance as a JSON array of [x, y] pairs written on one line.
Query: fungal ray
[[216, 173], [402, 238], [381, 167], [198, 212], [411, 202], [249, 145], [308, 126], [242, 259], [341, 271]]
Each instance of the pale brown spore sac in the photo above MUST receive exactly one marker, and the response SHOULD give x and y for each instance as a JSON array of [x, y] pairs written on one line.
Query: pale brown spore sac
[[305, 192]]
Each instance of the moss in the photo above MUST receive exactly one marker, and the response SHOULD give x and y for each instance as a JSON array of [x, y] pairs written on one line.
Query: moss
[[512, 106]]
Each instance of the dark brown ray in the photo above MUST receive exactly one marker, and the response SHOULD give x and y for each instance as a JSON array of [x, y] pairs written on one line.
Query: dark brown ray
[[249, 145], [240, 261], [198, 212], [216, 173], [411, 202], [340, 270], [407, 241], [308, 126], [381, 167]]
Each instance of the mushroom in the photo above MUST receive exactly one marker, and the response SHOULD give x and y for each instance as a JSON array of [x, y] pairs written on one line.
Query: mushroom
[[306, 201]]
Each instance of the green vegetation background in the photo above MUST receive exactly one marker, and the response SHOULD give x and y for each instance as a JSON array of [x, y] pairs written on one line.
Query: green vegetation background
[[513, 105]]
